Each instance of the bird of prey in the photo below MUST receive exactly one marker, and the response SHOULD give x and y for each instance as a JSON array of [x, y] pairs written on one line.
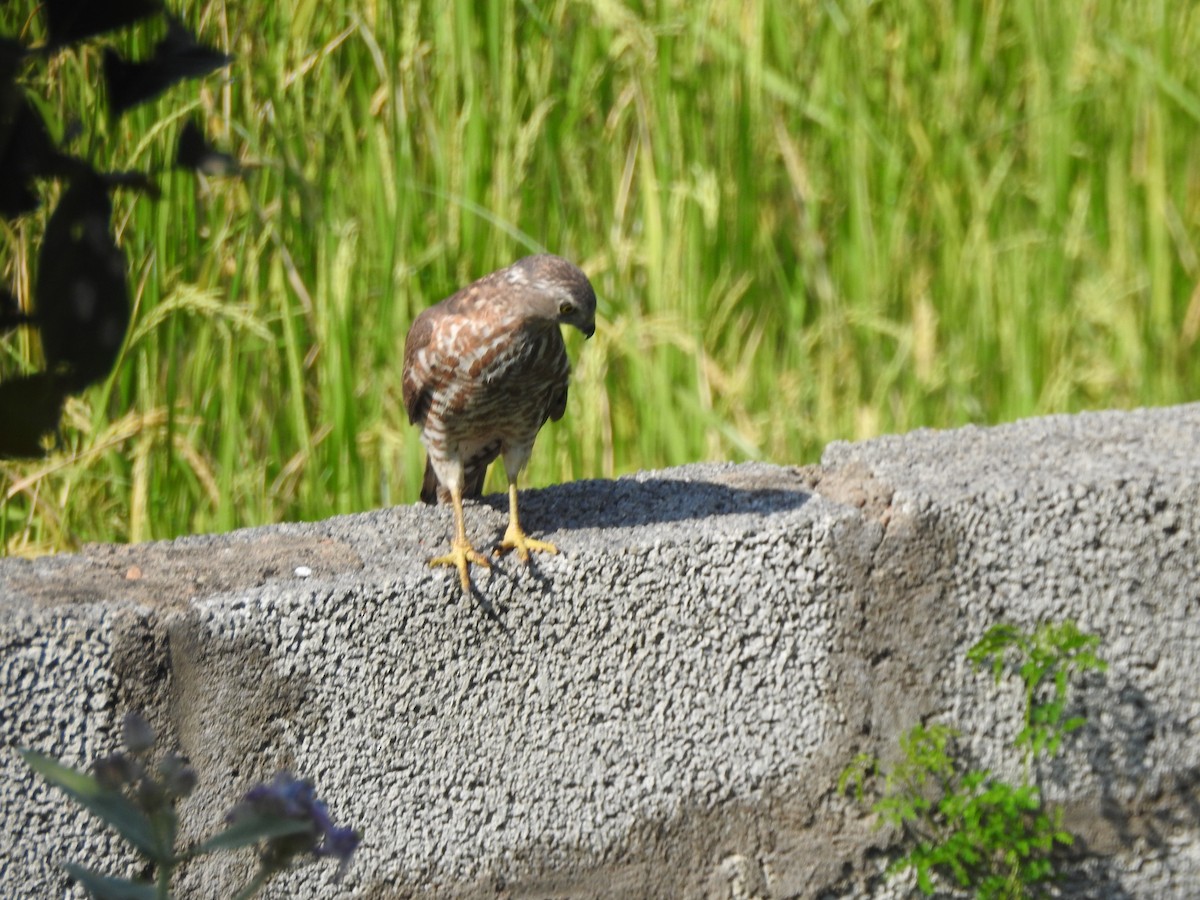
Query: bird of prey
[[483, 371]]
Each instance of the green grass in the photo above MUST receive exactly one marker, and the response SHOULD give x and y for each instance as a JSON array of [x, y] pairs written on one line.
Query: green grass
[[805, 221]]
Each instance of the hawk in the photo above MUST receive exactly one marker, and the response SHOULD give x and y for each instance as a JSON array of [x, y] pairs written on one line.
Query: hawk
[[484, 370]]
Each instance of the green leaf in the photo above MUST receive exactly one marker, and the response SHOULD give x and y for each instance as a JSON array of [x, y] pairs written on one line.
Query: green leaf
[[1073, 724], [855, 775], [108, 804], [106, 887], [251, 830], [924, 882]]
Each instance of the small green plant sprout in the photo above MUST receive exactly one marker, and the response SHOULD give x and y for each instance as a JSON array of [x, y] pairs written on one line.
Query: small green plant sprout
[[1045, 660], [963, 828], [283, 819]]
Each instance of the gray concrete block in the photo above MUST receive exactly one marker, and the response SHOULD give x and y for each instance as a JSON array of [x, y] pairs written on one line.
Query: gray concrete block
[[663, 709]]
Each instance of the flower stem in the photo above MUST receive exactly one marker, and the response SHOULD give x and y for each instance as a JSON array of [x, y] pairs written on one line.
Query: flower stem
[[164, 881]]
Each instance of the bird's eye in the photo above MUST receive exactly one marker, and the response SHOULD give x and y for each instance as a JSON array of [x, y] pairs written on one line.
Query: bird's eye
[[564, 308]]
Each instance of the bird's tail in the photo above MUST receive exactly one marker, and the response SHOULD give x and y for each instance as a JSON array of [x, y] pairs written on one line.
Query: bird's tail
[[432, 490], [431, 487], [473, 483]]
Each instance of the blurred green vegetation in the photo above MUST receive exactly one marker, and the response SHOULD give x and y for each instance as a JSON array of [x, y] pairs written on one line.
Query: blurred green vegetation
[[805, 221]]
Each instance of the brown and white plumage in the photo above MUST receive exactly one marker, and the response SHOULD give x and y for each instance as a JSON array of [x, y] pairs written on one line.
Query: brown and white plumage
[[484, 370]]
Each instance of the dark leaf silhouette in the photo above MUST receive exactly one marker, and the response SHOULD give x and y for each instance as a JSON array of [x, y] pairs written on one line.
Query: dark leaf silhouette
[[138, 181], [30, 408], [12, 54], [188, 56], [82, 298], [69, 21], [197, 154], [10, 312], [176, 57], [26, 153], [26, 150]]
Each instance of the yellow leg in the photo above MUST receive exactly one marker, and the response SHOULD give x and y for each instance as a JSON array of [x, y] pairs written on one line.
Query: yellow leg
[[461, 552], [515, 537]]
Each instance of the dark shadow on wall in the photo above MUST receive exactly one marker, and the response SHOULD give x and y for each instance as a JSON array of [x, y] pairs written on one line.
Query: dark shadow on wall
[[627, 503], [1140, 806], [1134, 807]]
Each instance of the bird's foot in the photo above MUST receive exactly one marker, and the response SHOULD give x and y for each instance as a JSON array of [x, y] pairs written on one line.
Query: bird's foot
[[515, 538], [460, 556]]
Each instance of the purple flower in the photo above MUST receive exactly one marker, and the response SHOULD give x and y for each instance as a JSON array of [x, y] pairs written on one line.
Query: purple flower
[[289, 797], [178, 777], [137, 733], [339, 843], [116, 770]]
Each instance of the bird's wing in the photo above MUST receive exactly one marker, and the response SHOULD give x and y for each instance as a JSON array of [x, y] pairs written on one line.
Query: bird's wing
[[435, 344], [560, 377], [417, 375], [558, 403]]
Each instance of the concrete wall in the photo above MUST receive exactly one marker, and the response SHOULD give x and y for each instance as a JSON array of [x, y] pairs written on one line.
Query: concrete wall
[[661, 710]]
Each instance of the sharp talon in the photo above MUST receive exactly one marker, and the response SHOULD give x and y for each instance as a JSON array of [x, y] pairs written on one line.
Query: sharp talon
[[517, 539], [461, 556]]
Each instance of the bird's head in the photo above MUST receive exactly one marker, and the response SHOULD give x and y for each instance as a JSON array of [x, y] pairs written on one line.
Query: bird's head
[[560, 291]]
